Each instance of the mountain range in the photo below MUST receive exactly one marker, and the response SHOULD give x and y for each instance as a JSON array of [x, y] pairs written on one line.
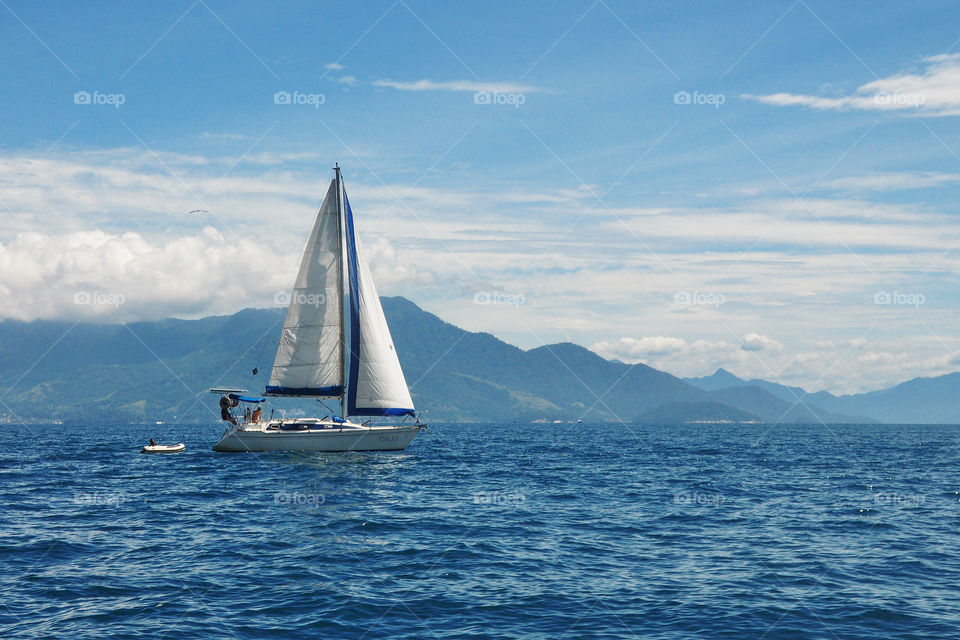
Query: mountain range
[[149, 371]]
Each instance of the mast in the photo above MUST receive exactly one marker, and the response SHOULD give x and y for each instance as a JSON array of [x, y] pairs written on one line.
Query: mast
[[343, 282]]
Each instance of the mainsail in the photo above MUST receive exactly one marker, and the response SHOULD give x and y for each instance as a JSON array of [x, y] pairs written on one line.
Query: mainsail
[[309, 360]]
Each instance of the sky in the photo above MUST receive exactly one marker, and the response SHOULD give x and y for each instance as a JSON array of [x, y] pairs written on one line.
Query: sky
[[767, 187]]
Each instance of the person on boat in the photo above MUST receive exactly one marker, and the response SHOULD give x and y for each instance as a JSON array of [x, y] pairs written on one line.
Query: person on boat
[[153, 442], [246, 414], [225, 405], [256, 415]]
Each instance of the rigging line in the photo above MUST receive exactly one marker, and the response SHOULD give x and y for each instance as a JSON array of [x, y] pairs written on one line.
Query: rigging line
[[332, 412], [256, 363]]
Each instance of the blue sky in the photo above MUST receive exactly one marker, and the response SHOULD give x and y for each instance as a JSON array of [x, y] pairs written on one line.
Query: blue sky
[[794, 220]]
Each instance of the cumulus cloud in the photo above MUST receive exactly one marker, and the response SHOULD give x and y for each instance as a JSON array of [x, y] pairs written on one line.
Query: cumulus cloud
[[757, 342], [126, 276], [934, 90], [389, 271], [99, 275]]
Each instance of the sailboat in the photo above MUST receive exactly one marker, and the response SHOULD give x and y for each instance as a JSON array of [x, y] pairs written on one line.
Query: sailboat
[[335, 344]]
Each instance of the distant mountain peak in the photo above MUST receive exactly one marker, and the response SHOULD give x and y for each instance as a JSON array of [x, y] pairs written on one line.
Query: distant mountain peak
[[724, 374], [719, 379]]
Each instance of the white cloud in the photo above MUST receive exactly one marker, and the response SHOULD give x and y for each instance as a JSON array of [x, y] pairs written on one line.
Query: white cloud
[[661, 351], [390, 273], [94, 274], [933, 91], [223, 137], [126, 276], [278, 158], [471, 86], [636, 350], [893, 181], [757, 342], [333, 66], [814, 222]]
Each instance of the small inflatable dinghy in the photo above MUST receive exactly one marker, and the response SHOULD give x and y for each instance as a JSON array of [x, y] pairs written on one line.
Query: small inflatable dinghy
[[163, 448]]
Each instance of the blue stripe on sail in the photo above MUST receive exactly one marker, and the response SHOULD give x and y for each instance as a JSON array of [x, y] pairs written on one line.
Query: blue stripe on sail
[[374, 411], [354, 310], [352, 408], [273, 390]]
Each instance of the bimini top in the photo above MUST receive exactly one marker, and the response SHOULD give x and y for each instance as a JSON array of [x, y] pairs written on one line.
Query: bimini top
[[234, 396]]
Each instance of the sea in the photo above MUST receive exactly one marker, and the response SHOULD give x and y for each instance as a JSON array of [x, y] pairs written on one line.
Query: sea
[[485, 531]]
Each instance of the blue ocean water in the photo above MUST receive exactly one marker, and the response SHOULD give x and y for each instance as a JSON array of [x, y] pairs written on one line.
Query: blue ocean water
[[485, 531]]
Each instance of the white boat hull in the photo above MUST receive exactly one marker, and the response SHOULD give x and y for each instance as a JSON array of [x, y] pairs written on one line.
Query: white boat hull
[[163, 448], [315, 435]]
